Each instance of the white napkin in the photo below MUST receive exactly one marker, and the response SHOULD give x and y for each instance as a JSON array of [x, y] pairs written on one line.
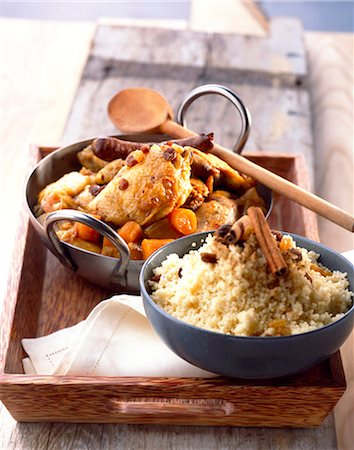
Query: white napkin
[[116, 339]]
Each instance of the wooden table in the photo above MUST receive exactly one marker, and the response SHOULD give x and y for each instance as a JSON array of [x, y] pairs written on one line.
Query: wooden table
[[39, 86]]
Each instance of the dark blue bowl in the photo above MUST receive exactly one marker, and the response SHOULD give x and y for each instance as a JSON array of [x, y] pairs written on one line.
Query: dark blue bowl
[[247, 357]]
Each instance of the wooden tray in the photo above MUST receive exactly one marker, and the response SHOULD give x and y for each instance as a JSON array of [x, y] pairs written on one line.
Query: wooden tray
[[43, 297]]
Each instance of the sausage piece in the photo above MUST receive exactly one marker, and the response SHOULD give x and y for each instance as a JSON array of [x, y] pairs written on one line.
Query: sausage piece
[[110, 148]]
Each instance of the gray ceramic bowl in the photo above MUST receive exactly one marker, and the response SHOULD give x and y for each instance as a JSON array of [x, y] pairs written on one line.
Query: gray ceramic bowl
[[247, 357]]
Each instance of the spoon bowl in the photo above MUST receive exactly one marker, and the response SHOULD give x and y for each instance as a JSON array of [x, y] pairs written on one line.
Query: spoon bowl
[[139, 110]]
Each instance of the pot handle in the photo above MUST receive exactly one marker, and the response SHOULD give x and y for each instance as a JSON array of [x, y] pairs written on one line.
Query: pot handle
[[207, 89], [60, 250]]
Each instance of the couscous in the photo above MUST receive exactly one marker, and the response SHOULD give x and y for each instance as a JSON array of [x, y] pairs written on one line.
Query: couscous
[[230, 289]]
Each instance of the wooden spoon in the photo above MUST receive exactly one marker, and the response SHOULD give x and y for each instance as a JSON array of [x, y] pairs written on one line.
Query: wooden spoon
[[142, 110], [138, 110]]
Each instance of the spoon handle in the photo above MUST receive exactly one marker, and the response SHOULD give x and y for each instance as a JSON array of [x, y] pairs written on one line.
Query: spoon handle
[[175, 130], [271, 180], [285, 187]]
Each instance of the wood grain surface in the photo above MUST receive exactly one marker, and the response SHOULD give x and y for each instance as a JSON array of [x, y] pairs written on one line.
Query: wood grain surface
[[245, 17], [331, 62], [331, 59], [38, 86], [37, 104]]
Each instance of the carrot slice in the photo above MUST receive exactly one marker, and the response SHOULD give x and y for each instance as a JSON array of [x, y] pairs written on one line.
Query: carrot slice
[[131, 232], [149, 246], [107, 243], [87, 233], [183, 220]]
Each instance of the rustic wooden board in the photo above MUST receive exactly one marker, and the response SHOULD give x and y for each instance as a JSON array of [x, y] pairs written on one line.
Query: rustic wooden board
[[268, 73], [59, 73]]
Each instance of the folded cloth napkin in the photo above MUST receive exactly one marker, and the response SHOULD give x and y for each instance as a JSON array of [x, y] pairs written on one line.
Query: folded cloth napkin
[[116, 339]]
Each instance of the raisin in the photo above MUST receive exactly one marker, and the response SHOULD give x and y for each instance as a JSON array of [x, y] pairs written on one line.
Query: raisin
[[180, 272], [95, 189], [145, 148], [208, 257], [170, 154], [295, 254], [123, 184], [155, 278], [130, 160], [278, 236]]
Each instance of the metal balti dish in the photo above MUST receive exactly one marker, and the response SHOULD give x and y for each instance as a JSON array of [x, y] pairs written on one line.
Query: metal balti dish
[[119, 274], [240, 356]]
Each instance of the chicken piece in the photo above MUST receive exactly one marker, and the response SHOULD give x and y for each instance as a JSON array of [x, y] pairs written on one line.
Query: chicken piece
[[83, 199], [61, 193], [250, 198], [89, 160], [226, 202], [108, 172], [225, 175], [202, 168], [148, 187], [221, 193], [87, 172], [67, 234], [198, 194], [214, 213]]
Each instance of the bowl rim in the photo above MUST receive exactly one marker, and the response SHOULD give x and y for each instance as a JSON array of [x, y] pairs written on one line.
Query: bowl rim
[[147, 297]]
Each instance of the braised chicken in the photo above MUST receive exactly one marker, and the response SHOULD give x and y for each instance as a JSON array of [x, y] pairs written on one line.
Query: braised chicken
[[107, 173], [224, 175], [199, 193], [89, 160], [216, 212], [148, 187], [84, 198], [151, 194], [250, 198], [61, 193]]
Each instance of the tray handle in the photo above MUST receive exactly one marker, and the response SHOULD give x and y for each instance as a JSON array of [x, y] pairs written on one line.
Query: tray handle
[[60, 250], [171, 406], [226, 92]]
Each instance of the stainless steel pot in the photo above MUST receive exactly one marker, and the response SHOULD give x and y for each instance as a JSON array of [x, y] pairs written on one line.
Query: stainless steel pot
[[119, 274]]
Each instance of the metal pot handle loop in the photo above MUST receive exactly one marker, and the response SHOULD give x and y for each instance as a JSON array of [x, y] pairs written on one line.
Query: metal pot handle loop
[[60, 250], [207, 89]]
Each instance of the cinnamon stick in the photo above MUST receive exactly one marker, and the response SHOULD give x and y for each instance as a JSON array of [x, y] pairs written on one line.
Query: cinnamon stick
[[238, 230], [268, 244]]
